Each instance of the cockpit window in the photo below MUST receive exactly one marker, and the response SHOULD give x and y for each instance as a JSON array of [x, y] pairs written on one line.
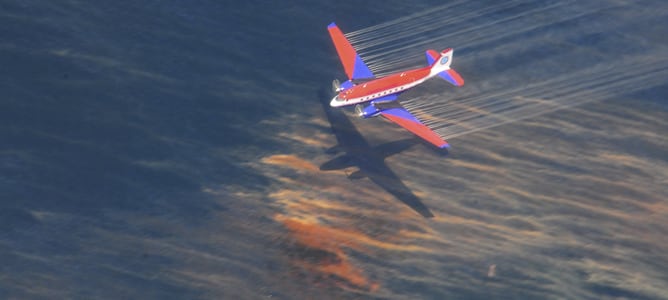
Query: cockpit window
[[444, 60]]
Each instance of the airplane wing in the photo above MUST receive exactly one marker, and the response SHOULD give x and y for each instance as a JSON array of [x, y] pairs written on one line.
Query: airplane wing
[[402, 117], [352, 63]]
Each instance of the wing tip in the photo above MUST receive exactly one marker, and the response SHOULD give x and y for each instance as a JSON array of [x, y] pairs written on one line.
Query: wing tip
[[331, 25], [459, 81], [405, 119]]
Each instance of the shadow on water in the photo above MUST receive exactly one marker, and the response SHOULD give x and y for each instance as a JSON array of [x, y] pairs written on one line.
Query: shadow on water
[[354, 151]]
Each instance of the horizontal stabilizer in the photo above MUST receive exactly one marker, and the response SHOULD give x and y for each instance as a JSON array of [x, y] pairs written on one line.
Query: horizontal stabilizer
[[432, 56], [452, 76]]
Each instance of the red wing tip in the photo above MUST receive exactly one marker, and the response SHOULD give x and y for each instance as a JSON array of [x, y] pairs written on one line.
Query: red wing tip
[[458, 78]]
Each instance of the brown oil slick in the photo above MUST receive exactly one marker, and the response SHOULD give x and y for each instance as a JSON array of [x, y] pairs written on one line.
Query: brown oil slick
[[323, 253], [290, 161], [330, 225], [508, 216]]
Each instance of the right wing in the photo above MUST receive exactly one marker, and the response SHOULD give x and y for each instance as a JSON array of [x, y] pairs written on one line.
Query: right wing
[[352, 63], [402, 117]]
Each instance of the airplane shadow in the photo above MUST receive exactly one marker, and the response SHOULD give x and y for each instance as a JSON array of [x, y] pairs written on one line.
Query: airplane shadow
[[354, 151]]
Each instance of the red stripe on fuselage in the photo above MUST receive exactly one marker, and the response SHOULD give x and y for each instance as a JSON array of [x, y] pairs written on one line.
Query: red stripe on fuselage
[[384, 84]]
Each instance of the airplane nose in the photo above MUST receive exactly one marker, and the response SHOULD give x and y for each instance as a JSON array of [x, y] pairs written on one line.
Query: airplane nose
[[335, 102]]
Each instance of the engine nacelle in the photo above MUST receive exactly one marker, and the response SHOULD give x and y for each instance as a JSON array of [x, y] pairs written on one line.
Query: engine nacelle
[[366, 112]]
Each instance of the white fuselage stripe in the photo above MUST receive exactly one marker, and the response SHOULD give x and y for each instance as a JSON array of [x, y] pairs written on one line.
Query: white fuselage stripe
[[380, 94]]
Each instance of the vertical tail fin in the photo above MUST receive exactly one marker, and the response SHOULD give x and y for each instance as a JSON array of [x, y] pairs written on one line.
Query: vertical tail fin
[[443, 61], [440, 65]]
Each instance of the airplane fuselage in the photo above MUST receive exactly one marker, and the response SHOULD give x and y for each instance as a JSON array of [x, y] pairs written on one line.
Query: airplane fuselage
[[381, 87]]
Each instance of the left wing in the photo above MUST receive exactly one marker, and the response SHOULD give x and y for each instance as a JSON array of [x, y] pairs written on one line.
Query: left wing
[[399, 115], [352, 63]]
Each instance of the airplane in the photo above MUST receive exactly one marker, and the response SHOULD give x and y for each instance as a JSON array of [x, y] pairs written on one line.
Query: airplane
[[381, 94]]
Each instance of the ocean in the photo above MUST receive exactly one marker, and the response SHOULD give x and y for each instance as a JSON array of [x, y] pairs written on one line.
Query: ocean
[[180, 149]]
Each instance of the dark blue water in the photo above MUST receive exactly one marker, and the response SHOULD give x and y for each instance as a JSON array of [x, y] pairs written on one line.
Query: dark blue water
[[129, 133]]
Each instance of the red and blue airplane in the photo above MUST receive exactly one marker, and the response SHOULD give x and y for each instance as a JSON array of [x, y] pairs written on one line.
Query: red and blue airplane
[[381, 93]]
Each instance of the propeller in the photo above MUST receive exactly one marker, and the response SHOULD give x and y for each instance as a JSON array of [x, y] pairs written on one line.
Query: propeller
[[336, 85]]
